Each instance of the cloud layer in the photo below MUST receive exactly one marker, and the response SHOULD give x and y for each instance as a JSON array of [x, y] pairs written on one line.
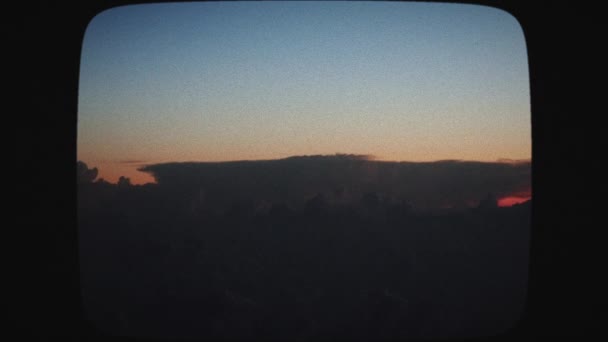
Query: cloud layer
[[344, 178]]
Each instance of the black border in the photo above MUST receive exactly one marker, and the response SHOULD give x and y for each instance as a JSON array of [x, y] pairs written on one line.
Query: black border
[[561, 37]]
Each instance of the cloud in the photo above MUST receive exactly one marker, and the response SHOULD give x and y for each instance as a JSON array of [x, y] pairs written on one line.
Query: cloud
[[334, 157], [296, 179], [85, 175], [525, 193]]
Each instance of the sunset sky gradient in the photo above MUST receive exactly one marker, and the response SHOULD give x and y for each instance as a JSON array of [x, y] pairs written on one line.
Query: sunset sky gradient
[[225, 81]]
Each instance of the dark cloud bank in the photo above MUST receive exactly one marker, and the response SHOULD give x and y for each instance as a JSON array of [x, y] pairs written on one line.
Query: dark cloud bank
[[305, 248], [345, 178]]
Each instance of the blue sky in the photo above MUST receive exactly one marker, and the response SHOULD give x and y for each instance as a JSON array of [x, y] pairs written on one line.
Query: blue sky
[[263, 80]]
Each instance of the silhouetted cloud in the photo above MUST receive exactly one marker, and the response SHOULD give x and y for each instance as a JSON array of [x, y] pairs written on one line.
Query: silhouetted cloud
[[124, 181], [287, 239], [84, 174], [294, 180], [521, 193], [337, 156]]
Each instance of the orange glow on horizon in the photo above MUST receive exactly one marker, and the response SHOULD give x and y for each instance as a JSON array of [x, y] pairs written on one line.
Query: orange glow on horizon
[[512, 200], [111, 172]]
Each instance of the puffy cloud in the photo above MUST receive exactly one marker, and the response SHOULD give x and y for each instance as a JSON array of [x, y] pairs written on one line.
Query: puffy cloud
[[84, 175], [124, 181]]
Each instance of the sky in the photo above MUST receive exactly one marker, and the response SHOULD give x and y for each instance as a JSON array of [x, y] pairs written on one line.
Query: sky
[[221, 81]]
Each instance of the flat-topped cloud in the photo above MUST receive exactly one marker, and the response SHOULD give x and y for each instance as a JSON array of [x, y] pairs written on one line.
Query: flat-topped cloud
[[294, 180]]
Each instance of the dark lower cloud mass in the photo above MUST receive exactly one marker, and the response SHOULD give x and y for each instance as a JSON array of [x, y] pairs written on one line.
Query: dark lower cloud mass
[[306, 248], [342, 178]]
